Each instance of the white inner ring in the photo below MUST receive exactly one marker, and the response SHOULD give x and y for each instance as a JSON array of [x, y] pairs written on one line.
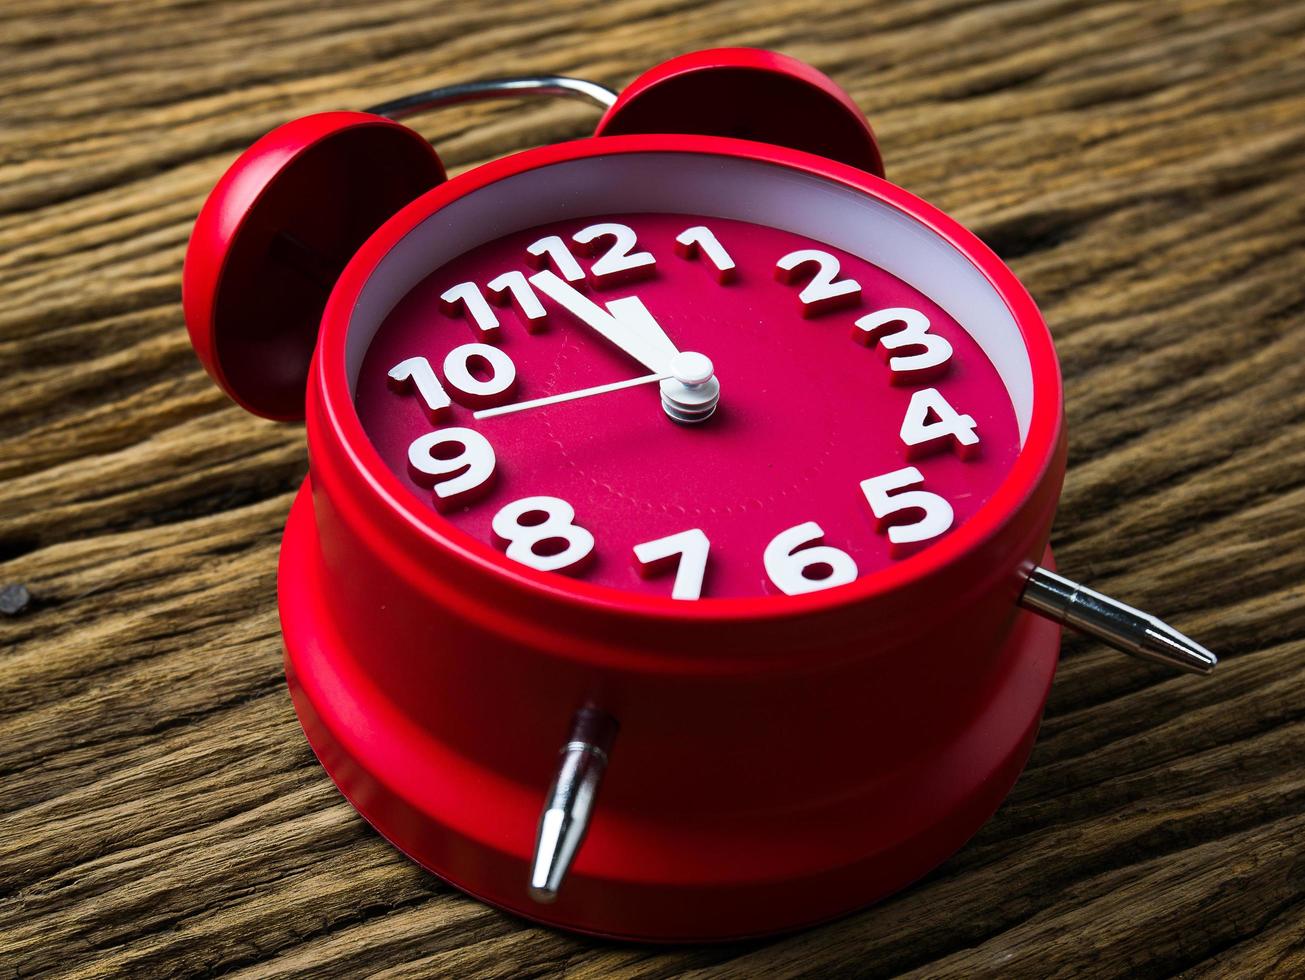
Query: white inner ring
[[713, 187]]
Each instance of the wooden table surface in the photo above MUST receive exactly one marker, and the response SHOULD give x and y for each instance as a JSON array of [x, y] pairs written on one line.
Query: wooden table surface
[[1140, 165]]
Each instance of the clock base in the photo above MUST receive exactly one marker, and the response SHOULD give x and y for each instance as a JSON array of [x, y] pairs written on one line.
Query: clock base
[[666, 878]]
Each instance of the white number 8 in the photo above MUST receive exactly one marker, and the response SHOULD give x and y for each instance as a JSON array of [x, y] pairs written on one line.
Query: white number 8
[[893, 503], [540, 532]]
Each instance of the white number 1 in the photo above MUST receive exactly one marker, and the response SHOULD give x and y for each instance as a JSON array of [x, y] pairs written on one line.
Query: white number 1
[[690, 547], [701, 241], [825, 291]]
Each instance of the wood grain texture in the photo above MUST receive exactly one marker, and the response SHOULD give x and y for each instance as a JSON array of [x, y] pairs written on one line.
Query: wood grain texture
[[1141, 166]]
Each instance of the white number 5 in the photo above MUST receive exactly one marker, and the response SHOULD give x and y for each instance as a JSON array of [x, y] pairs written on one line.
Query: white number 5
[[825, 291], [891, 508]]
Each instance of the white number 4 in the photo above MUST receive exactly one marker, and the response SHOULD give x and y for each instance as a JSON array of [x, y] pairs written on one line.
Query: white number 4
[[893, 505], [689, 548], [930, 418]]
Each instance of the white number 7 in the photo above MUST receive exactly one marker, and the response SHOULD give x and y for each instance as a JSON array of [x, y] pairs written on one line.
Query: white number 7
[[690, 547]]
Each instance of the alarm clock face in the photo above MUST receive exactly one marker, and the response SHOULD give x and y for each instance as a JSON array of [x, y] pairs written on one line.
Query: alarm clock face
[[872, 389]]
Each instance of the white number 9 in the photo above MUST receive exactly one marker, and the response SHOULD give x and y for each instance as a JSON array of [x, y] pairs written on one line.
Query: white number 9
[[794, 569], [429, 457]]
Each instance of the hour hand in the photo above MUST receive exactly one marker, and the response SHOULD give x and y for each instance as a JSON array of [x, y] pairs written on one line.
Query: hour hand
[[626, 322]]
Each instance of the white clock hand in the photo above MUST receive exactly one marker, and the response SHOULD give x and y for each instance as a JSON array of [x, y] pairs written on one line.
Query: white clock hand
[[690, 391], [626, 322], [489, 413]]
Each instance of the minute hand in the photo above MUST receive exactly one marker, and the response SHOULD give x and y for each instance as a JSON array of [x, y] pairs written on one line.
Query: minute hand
[[626, 322]]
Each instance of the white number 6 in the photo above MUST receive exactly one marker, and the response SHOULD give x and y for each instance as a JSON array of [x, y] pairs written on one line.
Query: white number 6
[[796, 561]]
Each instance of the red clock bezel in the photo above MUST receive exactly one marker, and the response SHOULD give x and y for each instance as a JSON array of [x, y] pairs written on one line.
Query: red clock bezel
[[329, 383]]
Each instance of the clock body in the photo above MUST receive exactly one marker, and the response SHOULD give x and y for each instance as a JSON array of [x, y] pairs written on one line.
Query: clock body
[[798, 598], [797, 737]]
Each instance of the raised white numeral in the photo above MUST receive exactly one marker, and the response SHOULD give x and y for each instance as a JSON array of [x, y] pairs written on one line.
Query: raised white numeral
[[701, 241], [686, 550], [553, 250], [618, 263], [417, 373], [541, 532], [513, 287], [797, 562], [429, 458], [893, 506], [930, 418], [477, 392], [825, 291], [925, 355], [466, 296]]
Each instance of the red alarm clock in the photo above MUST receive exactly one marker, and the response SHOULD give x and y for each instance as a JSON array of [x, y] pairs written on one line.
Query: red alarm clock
[[693, 462]]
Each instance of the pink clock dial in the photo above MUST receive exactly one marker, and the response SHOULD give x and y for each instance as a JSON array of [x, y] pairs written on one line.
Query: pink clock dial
[[857, 421]]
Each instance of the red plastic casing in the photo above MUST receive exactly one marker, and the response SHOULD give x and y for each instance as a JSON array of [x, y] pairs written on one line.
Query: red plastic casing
[[780, 761]]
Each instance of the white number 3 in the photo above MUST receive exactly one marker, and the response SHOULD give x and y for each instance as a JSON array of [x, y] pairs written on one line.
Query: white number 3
[[541, 532]]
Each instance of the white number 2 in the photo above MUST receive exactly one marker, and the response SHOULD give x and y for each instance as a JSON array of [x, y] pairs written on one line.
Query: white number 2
[[690, 547], [893, 504], [541, 532], [825, 291], [429, 457], [797, 562]]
